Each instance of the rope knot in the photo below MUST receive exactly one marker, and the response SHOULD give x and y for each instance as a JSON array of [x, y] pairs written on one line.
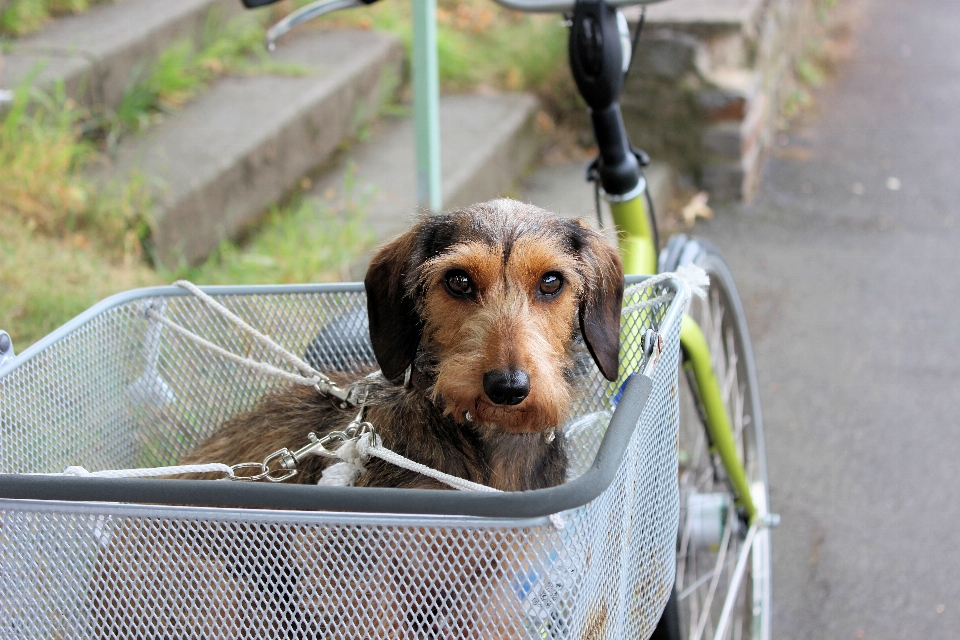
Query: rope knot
[[365, 443], [77, 472], [353, 454], [695, 278]]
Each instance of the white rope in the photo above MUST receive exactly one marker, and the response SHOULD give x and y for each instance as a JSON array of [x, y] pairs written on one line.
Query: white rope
[[261, 367], [309, 376], [80, 472], [368, 446], [263, 339], [354, 452], [346, 472], [694, 279]]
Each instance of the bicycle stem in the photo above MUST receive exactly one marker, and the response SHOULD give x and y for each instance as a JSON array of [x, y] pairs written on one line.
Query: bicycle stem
[[598, 62]]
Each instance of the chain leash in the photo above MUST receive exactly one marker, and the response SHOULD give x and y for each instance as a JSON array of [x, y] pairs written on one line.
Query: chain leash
[[281, 465]]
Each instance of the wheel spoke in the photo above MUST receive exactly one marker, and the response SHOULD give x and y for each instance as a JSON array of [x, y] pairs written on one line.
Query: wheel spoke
[[734, 586], [709, 602]]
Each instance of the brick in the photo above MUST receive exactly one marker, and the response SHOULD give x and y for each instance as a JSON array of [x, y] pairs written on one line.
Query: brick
[[666, 54], [723, 140], [724, 181]]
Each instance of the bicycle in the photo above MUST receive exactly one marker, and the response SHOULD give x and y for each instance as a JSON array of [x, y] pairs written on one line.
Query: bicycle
[[722, 586], [723, 549]]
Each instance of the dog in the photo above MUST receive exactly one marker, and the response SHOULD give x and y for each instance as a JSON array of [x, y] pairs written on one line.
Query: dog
[[481, 321]]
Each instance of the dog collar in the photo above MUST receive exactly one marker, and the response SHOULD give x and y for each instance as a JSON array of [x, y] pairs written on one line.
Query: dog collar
[[417, 379]]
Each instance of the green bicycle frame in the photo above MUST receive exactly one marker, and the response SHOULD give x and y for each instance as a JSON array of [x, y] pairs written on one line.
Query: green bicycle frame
[[639, 255], [634, 235]]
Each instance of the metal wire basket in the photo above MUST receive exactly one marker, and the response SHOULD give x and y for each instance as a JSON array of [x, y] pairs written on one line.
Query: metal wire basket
[[110, 558]]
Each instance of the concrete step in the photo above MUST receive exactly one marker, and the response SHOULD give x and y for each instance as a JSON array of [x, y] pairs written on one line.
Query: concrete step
[[99, 53], [487, 142], [219, 163]]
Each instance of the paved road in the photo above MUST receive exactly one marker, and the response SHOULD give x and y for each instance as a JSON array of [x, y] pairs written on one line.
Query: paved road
[[854, 302]]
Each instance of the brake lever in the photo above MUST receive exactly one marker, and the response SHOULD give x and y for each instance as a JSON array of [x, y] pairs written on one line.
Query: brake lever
[[306, 13]]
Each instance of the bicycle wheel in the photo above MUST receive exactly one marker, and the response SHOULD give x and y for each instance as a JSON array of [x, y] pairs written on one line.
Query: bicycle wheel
[[712, 535]]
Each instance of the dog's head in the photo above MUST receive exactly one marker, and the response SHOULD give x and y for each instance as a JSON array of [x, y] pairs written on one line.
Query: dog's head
[[493, 296]]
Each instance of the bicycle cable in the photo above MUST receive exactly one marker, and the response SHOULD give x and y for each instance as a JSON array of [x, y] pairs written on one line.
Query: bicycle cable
[[636, 40], [633, 56]]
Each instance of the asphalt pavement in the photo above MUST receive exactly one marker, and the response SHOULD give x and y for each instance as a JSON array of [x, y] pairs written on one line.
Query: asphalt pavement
[[849, 264]]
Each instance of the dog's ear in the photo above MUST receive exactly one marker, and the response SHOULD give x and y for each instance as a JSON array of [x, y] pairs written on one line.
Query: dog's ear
[[602, 298], [395, 326]]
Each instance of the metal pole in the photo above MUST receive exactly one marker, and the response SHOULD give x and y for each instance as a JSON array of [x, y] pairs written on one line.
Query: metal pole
[[426, 105]]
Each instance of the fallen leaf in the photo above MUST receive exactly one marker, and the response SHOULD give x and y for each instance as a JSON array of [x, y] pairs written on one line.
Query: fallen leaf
[[696, 208]]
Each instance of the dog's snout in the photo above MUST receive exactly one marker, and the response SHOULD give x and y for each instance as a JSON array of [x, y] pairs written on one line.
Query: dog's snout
[[507, 387]]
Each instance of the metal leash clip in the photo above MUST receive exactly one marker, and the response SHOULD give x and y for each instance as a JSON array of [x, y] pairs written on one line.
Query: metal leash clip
[[652, 349], [281, 465]]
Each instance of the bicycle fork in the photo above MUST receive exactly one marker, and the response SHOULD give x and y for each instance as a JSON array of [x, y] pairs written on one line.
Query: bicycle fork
[[716, 419]]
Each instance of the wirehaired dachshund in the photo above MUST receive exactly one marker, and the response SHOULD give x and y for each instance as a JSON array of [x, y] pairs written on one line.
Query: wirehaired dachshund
[[483, 322]]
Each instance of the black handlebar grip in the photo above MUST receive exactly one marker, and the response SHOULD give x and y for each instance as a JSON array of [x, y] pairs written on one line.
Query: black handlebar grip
[[596, 60], [253, 4]]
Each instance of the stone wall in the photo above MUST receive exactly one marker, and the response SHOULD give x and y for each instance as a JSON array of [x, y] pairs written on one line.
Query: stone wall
[[707, 83]]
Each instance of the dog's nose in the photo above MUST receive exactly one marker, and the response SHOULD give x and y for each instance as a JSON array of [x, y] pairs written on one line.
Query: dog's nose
[[508, 387]]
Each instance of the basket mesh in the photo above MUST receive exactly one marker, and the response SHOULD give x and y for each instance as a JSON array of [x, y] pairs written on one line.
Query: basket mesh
[[119, 391]]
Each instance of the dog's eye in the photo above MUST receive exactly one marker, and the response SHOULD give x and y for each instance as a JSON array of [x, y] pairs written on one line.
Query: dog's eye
[[551, 283], [458, 283]]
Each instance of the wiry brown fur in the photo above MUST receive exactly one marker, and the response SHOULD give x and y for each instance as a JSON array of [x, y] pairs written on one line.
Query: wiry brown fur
[[505, 247], [444, 419], [427, 437]]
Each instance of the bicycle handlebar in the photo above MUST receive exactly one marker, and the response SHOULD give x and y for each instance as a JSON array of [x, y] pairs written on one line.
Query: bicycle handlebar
[[527, 6], [305, 14], [561, 6], [599, 47]]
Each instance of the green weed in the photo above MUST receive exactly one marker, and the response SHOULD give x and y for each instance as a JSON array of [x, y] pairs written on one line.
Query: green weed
[[823, 9], [42, 183], [796, 102], [40, 155], [480, 44], [808, 71], [21, 17], [310, 240]]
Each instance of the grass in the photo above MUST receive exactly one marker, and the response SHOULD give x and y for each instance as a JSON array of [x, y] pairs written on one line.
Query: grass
[[45, 281], [39, 155], [21, 17], [483, 46], [42, 185]]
